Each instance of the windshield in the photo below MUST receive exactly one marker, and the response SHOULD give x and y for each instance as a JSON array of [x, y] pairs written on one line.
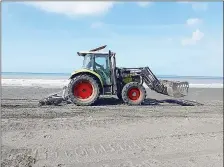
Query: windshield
[[87, 63], [102, 61]]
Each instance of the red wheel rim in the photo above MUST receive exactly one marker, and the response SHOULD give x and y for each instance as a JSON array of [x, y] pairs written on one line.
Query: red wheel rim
[[134, 94], [83, 90]]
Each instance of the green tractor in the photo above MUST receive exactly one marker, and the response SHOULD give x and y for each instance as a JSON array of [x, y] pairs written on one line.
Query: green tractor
[[100, 76]]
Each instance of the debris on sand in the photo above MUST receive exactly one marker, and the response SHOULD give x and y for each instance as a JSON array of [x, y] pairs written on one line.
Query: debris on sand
[[20, 160]]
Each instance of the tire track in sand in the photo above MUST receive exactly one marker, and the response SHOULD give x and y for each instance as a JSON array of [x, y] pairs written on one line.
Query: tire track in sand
[[114, 150]]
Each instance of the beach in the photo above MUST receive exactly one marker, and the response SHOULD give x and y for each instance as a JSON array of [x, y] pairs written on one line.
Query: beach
[[138, 53], [111, 134]]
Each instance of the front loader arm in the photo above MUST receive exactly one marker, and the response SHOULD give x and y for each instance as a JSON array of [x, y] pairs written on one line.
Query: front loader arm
[[170, 88]]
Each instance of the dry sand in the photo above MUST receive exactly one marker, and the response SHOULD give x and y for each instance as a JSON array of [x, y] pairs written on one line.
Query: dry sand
[[159, 133]]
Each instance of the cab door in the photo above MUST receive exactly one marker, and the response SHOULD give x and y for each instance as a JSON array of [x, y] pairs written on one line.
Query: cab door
[[102, 67]]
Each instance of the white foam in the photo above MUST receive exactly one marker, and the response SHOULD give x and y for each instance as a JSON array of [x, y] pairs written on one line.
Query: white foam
[[212, 85], [45, 83], [51, 83]]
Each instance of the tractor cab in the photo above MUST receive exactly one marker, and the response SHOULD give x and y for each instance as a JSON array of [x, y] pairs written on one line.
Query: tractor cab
[[103, 63]]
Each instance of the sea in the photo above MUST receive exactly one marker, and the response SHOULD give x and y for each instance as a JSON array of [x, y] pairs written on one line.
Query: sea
[[57, 80]]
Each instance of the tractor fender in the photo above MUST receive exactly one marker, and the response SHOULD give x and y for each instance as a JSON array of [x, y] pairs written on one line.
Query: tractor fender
[[91, 73]]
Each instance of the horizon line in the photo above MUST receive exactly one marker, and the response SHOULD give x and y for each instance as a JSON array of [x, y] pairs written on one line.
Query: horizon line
[[70, 73]]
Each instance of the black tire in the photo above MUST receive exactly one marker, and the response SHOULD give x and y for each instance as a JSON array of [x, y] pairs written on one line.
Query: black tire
[[129, 87], [95, 90]]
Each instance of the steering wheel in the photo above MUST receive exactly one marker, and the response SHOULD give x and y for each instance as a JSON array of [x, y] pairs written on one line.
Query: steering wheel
[[101, 67]]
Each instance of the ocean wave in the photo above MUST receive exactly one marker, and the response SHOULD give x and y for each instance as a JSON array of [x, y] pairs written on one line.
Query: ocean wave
[[47, 83]]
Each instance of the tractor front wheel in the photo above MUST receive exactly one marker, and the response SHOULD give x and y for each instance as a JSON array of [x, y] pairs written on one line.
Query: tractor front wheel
[[133, 93], [83, 90]]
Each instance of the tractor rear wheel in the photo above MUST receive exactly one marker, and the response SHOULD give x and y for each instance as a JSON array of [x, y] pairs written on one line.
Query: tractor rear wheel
[[83, 90], [133, 93]]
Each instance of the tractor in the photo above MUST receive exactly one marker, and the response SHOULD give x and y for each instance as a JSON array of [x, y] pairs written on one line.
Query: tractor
[[99, 75]]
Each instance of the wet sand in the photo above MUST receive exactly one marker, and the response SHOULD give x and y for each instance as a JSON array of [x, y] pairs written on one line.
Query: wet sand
[[159, 133]]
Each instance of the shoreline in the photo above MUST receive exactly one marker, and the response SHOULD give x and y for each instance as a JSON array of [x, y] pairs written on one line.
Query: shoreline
[[59, 83], [67, 74]]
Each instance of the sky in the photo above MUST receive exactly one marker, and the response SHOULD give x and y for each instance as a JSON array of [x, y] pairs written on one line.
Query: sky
[[171, 38]]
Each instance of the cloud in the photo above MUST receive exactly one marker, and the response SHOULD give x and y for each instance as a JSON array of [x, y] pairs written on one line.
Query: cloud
[[197, 6], [193, 21], [144, 4], [196, 36], [70, 8]]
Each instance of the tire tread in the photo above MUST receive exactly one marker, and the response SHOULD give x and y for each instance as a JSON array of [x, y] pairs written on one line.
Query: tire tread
[[94, 83], [127, 87]]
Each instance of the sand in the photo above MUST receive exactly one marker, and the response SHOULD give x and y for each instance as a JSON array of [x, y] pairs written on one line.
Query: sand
[[160, 133]]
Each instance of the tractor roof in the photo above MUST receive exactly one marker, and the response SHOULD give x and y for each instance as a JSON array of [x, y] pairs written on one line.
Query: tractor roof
[[93, 51], [83, 53]]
